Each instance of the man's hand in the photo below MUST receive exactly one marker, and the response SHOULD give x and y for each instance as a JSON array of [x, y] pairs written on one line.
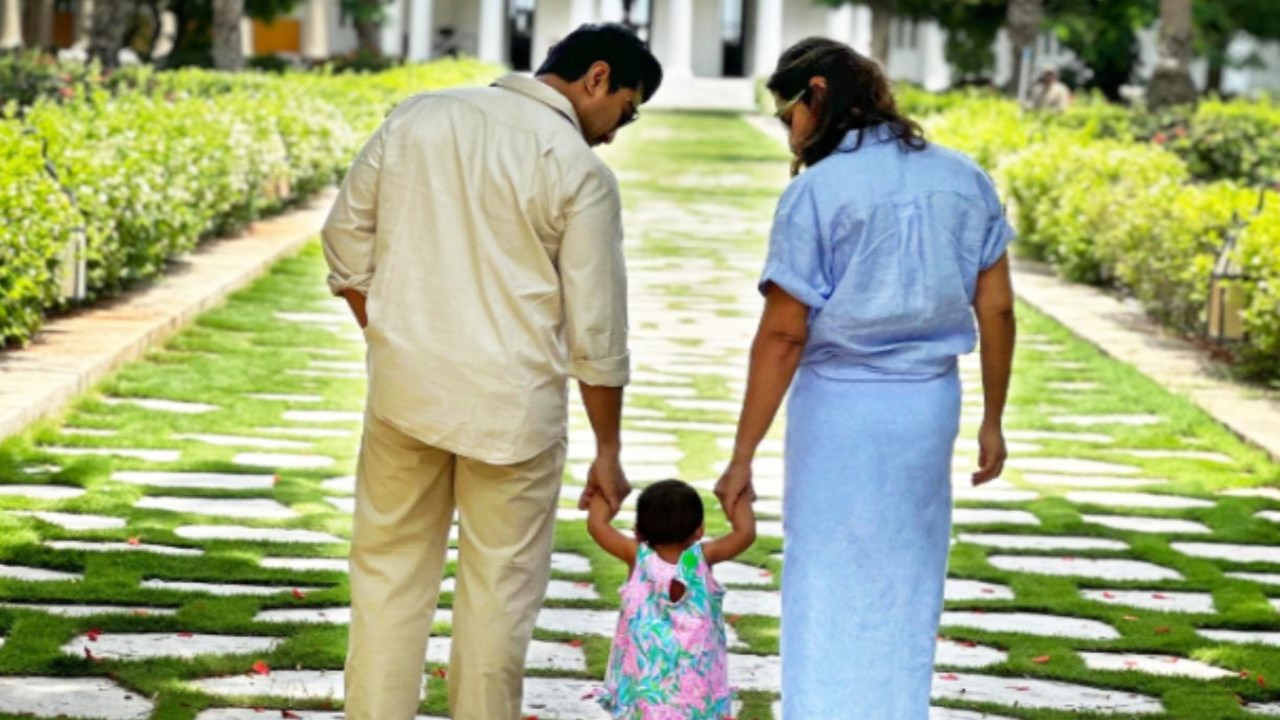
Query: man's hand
[[607, 479], [991, 453], [357, 303], [735, 485]]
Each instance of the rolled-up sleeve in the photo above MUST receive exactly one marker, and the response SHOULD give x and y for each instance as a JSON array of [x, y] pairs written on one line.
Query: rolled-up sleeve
[[999, 233], [797, 262], [593, 282], [348, 233]]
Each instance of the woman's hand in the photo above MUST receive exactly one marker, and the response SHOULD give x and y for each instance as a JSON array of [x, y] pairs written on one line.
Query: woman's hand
[[991, 453], [735, 485]]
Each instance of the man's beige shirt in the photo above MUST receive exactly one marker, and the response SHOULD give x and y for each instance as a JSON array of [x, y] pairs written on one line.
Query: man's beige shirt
[[487, 236]]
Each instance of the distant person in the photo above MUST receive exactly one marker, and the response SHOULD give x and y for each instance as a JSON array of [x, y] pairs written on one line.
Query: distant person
[[1048, 92], [670, 652], [882, 251], [478, 241]]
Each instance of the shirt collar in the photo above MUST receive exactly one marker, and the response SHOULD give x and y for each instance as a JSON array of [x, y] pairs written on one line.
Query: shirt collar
[[541, 92], [873, 135]]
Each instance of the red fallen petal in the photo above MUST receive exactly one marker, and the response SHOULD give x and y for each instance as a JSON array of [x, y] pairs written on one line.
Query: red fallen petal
[[530, 717], [1021, 688], [1159, 596], [185, 635], [1262, 682], [275, 479], [135, 541], [949, 677], [1041, 660], [988, 591], [968, 643], [1163, 629], [1131, 663], [258, 709], [978, 611], [575, 643], [1245, 674], [93, 634], [1069, 558], [299, 594], [583, 584], [141, 612], [261, 668], [733, 619], [89, 654], [765, 574], [1109, 595], [287, 714], [440, 672]]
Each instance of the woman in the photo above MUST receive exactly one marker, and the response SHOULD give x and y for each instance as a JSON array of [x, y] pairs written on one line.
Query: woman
[[881, 253]]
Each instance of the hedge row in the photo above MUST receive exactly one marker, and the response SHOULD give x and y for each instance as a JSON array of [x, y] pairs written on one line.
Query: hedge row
[[1104, 205], [143, 166]]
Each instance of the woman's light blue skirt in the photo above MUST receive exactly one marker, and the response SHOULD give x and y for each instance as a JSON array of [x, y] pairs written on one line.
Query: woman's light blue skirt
[[867, 520]]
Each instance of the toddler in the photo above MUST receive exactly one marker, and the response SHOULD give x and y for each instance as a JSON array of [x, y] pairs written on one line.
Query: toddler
[[669, 657]]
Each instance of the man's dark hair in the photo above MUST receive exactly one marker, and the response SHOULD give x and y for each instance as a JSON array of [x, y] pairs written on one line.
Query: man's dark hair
[[669, 512], [631, 64]]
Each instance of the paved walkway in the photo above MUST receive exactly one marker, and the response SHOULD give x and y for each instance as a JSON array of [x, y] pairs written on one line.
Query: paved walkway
[[1089, 581], [73, 352], [1124, 332]]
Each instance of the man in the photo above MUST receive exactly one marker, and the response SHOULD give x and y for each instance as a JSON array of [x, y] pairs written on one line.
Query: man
[[478, 240], [1048, 92]]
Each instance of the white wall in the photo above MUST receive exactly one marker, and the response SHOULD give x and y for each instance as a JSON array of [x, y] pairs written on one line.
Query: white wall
[[802, 19]]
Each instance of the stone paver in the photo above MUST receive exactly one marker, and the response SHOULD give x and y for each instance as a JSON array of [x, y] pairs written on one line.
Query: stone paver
[[1161, 600], [1138, 523], [1164, 665], [1040, 694], [1098, 569], [219, 507], [63, 697], [73, 521], [249, 534], [147, 646], [41, 492], [1030, 624], [194, 480]]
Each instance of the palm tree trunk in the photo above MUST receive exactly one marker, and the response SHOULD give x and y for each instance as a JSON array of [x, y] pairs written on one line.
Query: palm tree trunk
[[228, 53], [1022, 21], [881, 17], [106, 30], [1171, 83]]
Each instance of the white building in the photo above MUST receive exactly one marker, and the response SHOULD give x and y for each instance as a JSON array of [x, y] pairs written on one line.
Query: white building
[[707, 47]]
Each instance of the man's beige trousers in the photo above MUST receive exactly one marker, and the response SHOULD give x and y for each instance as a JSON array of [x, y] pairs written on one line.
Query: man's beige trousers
[[406, 492]]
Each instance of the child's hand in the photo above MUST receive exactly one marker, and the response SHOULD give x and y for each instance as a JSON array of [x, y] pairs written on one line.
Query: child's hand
[[600, 509]]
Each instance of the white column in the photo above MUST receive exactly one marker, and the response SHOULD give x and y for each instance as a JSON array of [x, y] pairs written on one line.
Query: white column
[[768, 37], [168, 33], [581, 12], [315, 30], [392, 32], [840, 23], [421, 29], [84, 21], [246, 36], [933, 46], [492, 18], [677, 23], [11, 25]]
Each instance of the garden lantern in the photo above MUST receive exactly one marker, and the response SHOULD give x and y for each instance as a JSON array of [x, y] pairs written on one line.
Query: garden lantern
[[1226, 289]]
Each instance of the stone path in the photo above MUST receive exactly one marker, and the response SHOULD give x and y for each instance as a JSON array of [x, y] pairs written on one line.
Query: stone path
[[208, 570]]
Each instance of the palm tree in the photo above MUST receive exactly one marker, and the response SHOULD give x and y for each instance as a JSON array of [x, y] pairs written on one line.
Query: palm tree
[[228, 53], [1023, 23], [1171, 83]]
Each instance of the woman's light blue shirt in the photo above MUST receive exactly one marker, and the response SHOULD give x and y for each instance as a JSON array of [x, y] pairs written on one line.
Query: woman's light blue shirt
[[885, 246]]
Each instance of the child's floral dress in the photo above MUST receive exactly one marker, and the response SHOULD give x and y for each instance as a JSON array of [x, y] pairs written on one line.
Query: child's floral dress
[[669, 659]]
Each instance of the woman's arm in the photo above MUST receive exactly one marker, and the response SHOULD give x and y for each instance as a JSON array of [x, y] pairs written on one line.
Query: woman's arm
[[997, 329], [605, 534], [775, 355], [739, 538]]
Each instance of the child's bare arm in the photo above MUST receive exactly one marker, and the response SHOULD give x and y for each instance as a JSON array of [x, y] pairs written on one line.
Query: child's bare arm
[[605, 534], [739, 538]]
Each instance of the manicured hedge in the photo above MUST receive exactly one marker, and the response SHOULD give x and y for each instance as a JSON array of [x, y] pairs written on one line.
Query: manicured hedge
[[1143, 203], [147, 164]]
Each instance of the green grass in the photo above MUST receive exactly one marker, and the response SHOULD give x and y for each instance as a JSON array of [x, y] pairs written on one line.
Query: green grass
[[679, 217]]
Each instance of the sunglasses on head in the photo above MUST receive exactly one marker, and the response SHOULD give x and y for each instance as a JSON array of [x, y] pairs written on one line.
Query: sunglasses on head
[[784, 111]]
